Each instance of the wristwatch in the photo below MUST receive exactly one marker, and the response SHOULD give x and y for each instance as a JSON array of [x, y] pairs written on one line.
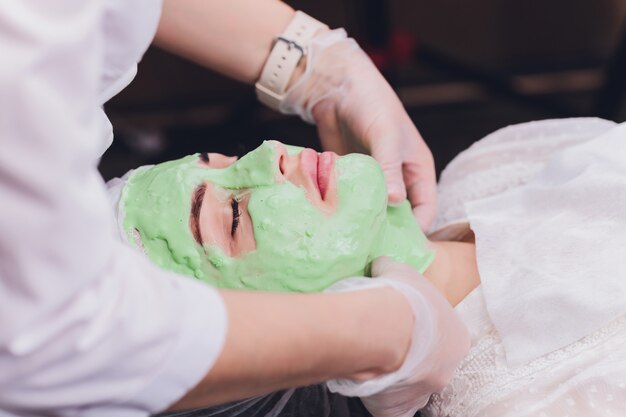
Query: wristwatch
[[287, 51]]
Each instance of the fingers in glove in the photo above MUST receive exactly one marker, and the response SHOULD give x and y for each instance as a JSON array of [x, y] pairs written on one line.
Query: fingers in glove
[[387, 151], [396, 190], [421, 182], [328, 127], [423, 197], [386, 142]]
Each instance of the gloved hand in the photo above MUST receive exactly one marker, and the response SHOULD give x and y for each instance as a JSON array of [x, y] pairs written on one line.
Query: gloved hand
[[355, 109], [438, 344]]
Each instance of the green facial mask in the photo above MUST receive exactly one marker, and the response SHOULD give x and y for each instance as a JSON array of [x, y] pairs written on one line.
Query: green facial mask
[[298, 247]]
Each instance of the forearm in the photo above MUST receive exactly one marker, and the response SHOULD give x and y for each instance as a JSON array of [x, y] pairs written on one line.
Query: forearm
[[277, 341], [233, 37]]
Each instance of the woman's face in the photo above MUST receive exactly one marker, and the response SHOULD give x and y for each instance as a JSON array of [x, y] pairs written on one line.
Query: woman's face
[[280, 218]]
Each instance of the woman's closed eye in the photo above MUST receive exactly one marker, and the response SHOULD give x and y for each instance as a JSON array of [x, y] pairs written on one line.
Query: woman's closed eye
[[236, 214], [219, 219]]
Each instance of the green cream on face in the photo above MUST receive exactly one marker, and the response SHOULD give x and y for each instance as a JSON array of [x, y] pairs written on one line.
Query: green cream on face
[[298, 247], [156, 202]]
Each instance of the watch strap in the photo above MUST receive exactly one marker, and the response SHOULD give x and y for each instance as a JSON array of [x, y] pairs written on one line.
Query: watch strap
[[288, 49]]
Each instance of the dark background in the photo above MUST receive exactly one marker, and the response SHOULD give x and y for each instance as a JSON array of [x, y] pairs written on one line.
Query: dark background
[[462, 69]]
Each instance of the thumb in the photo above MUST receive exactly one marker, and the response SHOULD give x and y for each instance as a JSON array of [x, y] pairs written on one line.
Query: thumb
[[328, 128], [396, 190]]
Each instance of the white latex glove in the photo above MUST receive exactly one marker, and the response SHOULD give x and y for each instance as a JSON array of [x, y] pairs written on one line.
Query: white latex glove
[[438, 344], [355, 110]]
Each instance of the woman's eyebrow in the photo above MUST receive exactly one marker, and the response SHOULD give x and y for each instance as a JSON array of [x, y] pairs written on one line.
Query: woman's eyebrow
[[197, 197]]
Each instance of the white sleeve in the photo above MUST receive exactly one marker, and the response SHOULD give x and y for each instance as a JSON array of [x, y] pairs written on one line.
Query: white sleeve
[[87, 326]]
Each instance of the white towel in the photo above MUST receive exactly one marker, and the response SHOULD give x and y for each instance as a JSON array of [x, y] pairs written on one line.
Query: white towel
[[552, 253]]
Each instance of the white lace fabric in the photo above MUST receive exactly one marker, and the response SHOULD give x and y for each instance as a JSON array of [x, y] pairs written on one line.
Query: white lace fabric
[[584, 378]]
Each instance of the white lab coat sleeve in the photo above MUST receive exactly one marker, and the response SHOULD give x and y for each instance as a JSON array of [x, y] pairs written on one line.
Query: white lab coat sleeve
[[87, 326]]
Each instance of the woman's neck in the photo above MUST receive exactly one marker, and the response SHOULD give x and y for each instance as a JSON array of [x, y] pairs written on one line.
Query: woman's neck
[[454, 271]]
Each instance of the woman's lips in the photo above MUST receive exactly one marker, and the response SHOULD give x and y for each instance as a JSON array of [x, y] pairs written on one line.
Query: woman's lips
[[325, 163], [318, 167], [308, 163]]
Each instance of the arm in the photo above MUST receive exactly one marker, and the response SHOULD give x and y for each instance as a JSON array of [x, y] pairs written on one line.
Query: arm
[[358, 336], [233, 37], [289, 340]]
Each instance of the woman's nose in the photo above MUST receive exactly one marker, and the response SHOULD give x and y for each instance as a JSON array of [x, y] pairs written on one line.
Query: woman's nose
[[283, 161]]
